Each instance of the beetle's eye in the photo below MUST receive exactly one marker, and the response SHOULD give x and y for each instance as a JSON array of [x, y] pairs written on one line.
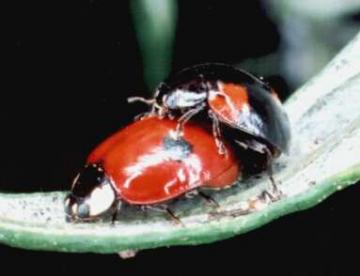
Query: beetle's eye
[[83, 210]]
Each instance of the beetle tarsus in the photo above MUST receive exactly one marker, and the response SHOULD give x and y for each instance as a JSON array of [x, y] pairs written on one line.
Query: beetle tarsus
[[267, 196], [275, 193]]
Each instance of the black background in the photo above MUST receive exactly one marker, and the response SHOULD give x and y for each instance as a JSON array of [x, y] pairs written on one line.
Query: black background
[[70, 68]]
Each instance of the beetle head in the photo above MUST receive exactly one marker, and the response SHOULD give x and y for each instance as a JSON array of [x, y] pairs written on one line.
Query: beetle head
[[92, 194]]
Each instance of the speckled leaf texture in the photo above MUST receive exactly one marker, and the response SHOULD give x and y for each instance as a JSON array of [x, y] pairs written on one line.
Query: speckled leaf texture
[[324, 158]]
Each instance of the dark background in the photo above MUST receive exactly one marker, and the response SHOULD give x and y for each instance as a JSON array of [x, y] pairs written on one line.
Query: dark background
[[71, 68]]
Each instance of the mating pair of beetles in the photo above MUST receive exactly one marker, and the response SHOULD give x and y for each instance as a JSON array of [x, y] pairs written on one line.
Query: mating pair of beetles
[[208, 125]]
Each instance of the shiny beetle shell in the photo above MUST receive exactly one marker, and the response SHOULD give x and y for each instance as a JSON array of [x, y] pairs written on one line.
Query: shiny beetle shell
[[147, 163], [238, 99]]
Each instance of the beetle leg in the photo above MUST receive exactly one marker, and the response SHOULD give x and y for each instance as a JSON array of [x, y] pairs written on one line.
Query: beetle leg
[[155, 111], [217, 133], [164, 208], [174, 217], [276, 192], [187, 116], [209, 199], [114, 218], [144, 115], [267, 196], [116, 211]]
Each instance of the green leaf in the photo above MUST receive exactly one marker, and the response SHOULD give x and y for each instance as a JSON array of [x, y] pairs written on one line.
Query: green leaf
[[325, 157], [155, 23]]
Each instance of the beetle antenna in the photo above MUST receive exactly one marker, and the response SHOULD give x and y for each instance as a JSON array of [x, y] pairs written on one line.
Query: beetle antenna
[[141, 99]]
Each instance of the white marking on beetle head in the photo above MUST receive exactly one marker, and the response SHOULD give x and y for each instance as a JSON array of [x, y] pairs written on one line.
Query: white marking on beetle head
[[101, 199]]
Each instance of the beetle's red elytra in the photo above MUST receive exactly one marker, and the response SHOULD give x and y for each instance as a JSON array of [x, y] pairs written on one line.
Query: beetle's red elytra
[[147, 163], [229, 102]]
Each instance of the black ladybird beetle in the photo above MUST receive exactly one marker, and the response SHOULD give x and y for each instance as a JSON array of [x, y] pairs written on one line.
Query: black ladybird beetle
[[236, 101]]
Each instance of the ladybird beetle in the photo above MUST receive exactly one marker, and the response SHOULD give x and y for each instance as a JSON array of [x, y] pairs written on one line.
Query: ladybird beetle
[[147, 163], [233, 99]]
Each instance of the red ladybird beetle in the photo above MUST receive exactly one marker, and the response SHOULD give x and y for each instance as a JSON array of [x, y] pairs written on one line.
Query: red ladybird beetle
[[233, 99], [147, 163]]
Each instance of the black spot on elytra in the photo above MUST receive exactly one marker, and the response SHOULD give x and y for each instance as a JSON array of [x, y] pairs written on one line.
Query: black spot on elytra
[[178, 149]]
